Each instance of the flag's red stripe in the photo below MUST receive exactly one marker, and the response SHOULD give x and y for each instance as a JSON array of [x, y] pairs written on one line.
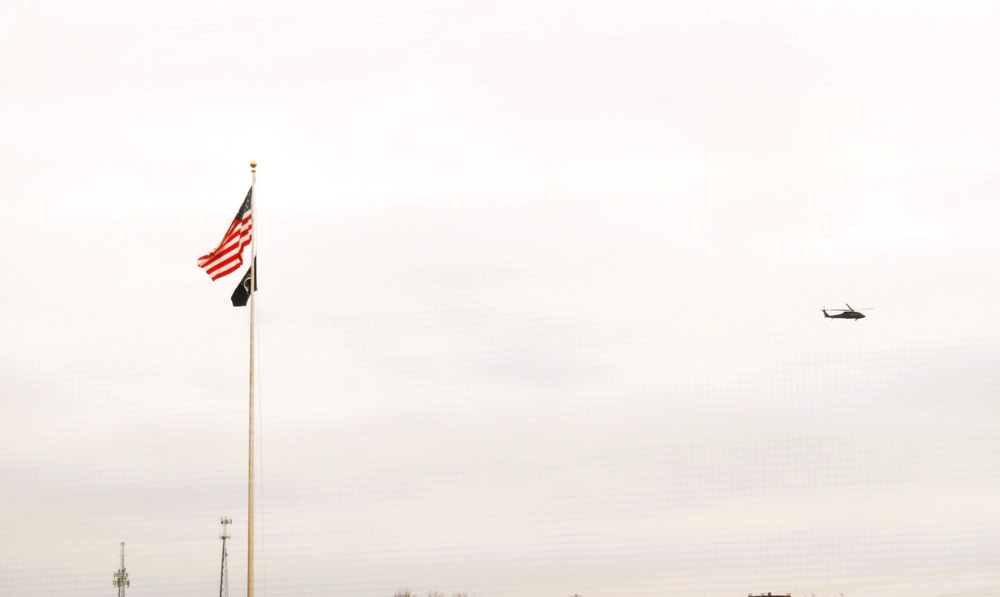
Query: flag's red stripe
[[228, 245], [228, 256], [236, 230], [222, 261], [224, 255], [227, 271]]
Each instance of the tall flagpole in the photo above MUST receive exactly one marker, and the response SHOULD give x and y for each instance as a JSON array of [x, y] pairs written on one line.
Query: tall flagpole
[[253, 284]]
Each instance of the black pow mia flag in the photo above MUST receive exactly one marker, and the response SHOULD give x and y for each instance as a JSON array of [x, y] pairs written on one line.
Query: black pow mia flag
[[241, 296]]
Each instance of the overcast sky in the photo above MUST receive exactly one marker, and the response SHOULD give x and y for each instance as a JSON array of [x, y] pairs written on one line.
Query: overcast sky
[[540, 294]]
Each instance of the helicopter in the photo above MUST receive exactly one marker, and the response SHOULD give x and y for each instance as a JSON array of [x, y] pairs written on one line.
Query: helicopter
[[848, 313]]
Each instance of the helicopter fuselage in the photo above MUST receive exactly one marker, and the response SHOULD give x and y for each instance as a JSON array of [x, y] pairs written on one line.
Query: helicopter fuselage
[[845, 315]]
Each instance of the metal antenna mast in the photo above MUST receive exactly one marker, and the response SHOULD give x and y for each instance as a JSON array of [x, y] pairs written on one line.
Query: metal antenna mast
[[224, 574], [121, 577]]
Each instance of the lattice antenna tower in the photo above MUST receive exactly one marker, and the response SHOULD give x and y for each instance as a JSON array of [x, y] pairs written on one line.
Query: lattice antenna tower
[[224, 574], [121, 577]]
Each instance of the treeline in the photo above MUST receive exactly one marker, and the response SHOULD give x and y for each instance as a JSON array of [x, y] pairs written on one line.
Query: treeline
[[409, 593]]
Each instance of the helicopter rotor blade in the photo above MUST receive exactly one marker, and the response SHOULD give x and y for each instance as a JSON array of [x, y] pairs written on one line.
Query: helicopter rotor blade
[[850, 308]]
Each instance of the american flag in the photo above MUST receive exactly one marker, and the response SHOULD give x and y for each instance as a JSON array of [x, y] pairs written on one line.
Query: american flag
[[228, 256]]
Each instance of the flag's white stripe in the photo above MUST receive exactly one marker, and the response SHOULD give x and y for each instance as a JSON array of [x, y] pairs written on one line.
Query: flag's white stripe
[[228, 257]]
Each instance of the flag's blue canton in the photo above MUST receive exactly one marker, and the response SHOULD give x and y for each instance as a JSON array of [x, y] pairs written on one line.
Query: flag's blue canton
[[245, 207]]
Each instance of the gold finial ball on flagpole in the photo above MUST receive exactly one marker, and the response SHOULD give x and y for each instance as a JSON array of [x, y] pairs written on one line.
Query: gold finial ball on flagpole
[[253, 164]]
